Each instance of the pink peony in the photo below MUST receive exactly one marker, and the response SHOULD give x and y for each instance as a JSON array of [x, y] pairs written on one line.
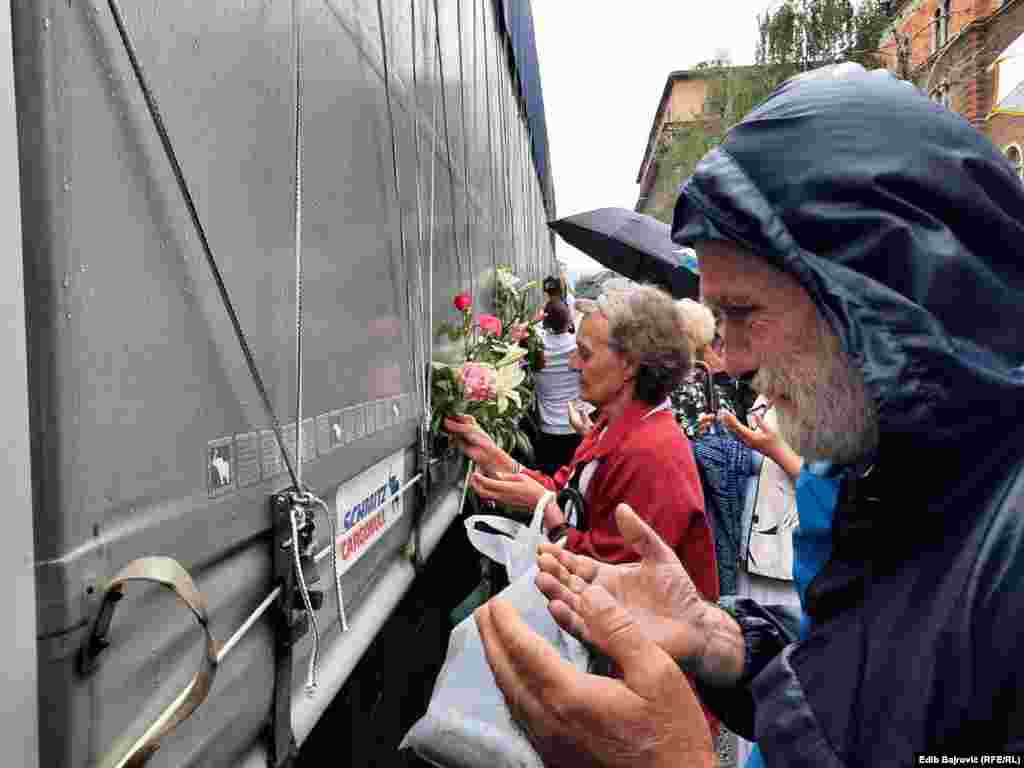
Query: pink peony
[[478, 382], [518, 332], [463, 301], [490, 324]]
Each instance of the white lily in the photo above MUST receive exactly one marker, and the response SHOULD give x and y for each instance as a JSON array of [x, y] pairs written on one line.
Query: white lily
[[513, 354], [507, 278], [509, 377]]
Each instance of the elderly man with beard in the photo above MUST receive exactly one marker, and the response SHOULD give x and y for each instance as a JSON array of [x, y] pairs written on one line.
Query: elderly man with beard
[[861, 245]]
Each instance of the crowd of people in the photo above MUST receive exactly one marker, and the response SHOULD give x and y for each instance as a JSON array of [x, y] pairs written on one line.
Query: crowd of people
[[859, 276]]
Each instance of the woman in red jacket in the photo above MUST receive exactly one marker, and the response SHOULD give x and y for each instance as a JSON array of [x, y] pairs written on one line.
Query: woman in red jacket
[[632, 351]]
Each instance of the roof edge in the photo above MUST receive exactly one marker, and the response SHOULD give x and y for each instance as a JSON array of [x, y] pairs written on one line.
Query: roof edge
[[695, 73]]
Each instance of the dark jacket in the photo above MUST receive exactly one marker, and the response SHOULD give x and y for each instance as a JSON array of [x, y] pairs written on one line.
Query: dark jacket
[[724, 465], [906, 227]]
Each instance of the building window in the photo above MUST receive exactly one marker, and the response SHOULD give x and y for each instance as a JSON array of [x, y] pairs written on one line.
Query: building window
[[1016, 158], [940, 25]]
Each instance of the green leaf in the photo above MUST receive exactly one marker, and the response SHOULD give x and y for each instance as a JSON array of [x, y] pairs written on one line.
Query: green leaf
[[523, 443], [453, 332]]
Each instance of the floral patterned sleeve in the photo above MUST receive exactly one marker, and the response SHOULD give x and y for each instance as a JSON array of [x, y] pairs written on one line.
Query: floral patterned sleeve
[[689, 402]]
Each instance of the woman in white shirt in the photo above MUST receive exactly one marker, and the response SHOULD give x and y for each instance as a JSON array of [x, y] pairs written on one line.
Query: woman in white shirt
[[556, 385]]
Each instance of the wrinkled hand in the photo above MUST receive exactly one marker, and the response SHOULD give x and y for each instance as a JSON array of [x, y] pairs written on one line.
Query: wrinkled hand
[[516, 490], [761, 438], [580, 422], [469, 437], [658, 592], [648, 719], [705, 421]]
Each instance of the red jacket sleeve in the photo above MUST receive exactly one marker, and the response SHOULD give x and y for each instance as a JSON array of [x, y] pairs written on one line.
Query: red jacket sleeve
[[543, 479], [660, 482]]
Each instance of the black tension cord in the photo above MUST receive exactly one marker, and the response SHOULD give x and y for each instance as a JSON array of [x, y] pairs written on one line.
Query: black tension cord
[[490, 144], [297, 218], [501, 97], [158, 122], [465, 152], [391, 126]]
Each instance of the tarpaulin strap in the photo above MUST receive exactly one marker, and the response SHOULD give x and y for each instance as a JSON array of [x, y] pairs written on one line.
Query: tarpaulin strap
[[129, 752]]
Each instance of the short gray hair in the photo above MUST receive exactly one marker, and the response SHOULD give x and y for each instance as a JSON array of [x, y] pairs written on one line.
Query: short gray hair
[[700, 323], [646, 327]]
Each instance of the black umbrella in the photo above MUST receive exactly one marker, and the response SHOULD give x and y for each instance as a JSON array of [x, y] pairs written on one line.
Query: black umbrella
[[634, 245]]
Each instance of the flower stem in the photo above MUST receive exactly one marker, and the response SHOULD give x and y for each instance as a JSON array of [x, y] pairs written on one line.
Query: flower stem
[[465, 487]]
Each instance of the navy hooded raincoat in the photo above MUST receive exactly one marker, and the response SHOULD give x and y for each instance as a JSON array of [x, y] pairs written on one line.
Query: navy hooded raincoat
[[906, 227]]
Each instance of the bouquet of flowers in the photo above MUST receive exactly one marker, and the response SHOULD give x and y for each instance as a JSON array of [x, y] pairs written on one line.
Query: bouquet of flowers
[[512, 308], [491, 383]]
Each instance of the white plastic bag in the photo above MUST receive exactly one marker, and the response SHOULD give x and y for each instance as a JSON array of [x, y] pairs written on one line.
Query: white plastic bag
[[516, 546], [467, 724]]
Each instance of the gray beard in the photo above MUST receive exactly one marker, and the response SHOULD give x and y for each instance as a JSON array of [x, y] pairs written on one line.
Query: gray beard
[[842, 437], [831, 416]]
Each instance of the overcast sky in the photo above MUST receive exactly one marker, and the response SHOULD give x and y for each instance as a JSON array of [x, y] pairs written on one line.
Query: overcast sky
[[603, 66]]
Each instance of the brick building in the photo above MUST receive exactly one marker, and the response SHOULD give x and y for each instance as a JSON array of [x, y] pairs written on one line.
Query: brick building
[[1005, 120], [949, 49], [682, 106]]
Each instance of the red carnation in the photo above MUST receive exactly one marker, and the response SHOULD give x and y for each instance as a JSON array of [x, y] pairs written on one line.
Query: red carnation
[[490, 324], [463, 301]]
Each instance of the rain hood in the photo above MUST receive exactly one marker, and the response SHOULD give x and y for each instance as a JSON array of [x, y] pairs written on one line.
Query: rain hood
[[904, 224]]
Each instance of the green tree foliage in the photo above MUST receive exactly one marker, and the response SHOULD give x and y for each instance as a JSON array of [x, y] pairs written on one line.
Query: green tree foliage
[[797, 36], [676, 159], [805, 34], [732, 93]]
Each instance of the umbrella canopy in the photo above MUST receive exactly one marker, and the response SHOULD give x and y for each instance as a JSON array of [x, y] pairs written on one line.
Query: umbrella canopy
[[634, 245]]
